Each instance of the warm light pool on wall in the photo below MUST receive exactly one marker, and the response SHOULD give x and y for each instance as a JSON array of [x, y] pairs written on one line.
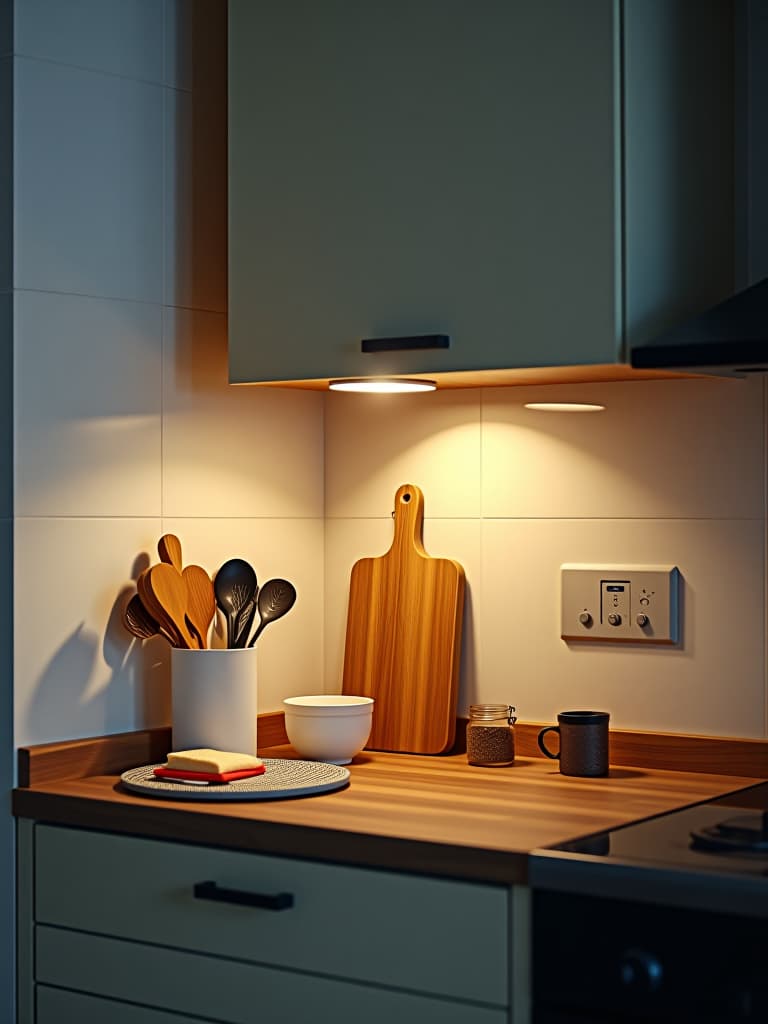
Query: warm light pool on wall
[[564, 407], [383, 386]]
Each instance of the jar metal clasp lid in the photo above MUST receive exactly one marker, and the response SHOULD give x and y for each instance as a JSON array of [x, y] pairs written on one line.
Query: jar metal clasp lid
[[486, 712]]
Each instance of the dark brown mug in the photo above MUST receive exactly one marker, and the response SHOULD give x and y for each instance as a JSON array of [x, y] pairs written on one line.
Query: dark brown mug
[[583, 743]]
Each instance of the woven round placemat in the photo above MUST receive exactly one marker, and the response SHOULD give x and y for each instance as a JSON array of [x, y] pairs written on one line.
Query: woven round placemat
[[282, 778]]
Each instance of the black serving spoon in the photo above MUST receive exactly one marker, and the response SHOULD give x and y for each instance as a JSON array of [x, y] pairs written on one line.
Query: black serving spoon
[[276, 598], [234, 586]]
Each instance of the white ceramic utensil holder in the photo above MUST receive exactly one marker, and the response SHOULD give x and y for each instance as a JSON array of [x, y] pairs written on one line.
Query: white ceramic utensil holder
[[214, 699]]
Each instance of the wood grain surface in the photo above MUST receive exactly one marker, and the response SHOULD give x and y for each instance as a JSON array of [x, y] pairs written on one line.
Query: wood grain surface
[[201, 602], [511, 378], [403, 637], [416, 813]]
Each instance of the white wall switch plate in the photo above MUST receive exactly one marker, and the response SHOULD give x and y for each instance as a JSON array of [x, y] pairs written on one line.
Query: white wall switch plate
[[617, 603]]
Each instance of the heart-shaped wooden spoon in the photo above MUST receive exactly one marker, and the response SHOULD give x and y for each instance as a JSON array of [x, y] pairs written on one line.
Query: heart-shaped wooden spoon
[[148, 604], [201, 602], [164, 593]]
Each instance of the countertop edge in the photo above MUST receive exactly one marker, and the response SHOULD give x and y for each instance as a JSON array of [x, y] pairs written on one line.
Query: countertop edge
[[305, 842]]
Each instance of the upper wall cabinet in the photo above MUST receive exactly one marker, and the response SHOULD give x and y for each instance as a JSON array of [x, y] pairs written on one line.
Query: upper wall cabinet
[[543, 181]]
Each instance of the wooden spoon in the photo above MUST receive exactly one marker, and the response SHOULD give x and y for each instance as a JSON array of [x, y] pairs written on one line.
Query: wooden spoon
[[276, 598], [169, 550], [164, 592], [201, 602], [149, 604]]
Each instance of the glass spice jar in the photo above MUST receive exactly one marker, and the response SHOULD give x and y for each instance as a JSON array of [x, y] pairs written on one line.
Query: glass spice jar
[[490, 734]]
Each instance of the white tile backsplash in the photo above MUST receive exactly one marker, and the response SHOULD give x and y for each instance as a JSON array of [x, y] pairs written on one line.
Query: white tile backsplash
[[233, 451], [125, 426], [375, 443], [88, 182], [78, 672], [690, 448], [672, 472], [712, 683], [87, 406], [121, 37], [290, 660], [195, 199]]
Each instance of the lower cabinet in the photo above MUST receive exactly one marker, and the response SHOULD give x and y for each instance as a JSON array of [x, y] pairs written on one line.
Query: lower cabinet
[[131, 929]]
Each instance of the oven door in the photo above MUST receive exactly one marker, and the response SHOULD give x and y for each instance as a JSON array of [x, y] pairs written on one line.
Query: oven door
[[607, 960]]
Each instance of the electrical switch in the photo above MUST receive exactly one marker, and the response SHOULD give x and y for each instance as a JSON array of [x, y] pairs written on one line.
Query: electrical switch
[[631, 604]]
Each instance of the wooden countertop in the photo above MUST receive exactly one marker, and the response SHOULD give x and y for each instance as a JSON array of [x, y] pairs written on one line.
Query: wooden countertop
[[437, 815]]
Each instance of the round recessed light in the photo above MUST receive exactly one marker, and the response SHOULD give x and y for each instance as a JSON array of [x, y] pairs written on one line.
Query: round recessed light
[[383, 386], [564, 407]]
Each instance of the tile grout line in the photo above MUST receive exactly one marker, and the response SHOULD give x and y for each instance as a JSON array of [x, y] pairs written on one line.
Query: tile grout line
[[379, 518]]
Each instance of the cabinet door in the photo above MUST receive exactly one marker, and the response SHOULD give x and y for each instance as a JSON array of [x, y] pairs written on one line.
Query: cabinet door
[[380, 927], [406, 169], [231, 991]]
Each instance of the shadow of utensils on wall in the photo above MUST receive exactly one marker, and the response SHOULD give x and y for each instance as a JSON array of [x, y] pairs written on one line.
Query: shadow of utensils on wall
[[141, 667], [74, 688]]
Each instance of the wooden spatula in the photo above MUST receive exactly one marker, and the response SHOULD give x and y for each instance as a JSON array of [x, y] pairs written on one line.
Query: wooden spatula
[[201, 602], [164, 593]]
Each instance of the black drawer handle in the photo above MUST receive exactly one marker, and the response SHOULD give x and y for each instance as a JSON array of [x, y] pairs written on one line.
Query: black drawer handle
[[267, 901], [405, 344]]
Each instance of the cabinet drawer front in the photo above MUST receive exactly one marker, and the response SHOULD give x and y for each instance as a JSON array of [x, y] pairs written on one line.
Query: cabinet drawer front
[[228, 990], [400, 930], [56, 1006]]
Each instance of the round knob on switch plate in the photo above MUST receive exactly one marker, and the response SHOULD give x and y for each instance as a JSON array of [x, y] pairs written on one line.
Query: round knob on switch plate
[[585, 619], [642, 620], [614, 619]]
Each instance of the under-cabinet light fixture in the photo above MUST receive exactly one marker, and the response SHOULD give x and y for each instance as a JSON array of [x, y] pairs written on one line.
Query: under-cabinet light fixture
[[384, 386], [564, 407]]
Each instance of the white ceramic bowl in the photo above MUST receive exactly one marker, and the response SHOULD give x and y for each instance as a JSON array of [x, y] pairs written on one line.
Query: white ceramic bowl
[[328, 727]]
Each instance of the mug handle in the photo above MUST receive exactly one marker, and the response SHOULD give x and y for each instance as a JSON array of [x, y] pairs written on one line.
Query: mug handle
[[542, 745]]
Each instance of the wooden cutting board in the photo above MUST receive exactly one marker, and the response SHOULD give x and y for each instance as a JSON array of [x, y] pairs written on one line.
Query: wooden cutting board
[[404, 637]]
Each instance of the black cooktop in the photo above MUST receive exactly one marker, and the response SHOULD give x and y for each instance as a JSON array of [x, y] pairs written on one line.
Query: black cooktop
[[728, 834], [712, 854]]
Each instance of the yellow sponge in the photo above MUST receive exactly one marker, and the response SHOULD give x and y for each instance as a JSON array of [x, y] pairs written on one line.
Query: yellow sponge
[[218, 761]]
